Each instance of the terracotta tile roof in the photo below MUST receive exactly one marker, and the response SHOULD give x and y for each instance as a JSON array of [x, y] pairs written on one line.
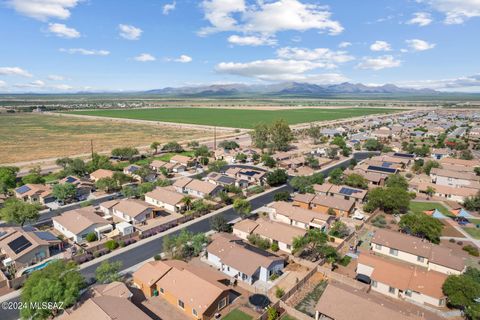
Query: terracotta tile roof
[[101, 173], [79, 219], [278, 231], [166, 196], [299, 214], [132, 208], [332, 202], [107, 308]]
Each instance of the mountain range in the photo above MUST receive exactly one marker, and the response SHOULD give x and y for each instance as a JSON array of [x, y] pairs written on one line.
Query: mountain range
[[293, 89]]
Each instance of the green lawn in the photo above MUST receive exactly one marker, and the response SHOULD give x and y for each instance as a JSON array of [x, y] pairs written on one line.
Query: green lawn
[[237, 118], [474, 232], [237, 315], [287, 317], [419, 207]]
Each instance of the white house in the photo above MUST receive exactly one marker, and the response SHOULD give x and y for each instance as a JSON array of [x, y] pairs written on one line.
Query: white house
[[76, 224], [240, 261], [129, 210], [166, 199]]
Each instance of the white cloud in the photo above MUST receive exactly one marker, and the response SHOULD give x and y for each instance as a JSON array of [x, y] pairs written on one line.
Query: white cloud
[[421, 18], [329, 58], [456, 11], [129, 32], [280, 70], [183, 59], [253, 41], [62, 31], [267, 17], [379, 63], [344, 44], [380, 46], [54, 77], [2, 84], [14, 71], [44, 9], [419, 45], [86, 52], [33, 84], [169, 7], [62, 87], [452, 84], [145, 57]]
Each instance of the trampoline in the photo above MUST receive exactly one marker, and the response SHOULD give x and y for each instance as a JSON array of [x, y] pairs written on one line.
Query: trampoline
[[259, 301]]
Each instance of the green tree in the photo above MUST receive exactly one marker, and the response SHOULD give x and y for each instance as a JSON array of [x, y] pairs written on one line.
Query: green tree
[[339, 230], [126, 153], [172, 146], [202, 151], [422, 225], [356, 180], [241, 157], [64, 191], [59, 282], [220, 224], [121, 178], [277, 177], [397, 181], [312, 162], [429, 165], [373, 145], [472, 203], [108, 272], [281, 196], [99, 162], [217, 165], [477, 171], [8, 177], [107, 184], [463, 291], [268, 161], [260, 135], [315, 133], [187, 201], [228, 145], [280, 135], [339, 141], [430, 191], [272, 313], [335, 176], [90, 237], [302, 184], [19, 212], [390, 200], [154, 146], [242, 207], [34, 176]]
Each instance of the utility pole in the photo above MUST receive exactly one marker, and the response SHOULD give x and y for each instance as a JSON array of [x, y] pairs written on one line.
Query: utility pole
[[214, 138], [91, 147]]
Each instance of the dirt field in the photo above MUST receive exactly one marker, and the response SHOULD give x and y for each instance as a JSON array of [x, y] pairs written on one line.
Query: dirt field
[[26, 137]]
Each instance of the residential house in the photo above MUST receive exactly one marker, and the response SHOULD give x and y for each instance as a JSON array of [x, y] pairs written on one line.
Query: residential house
[[417, 251], [341, 192], [24, 246], [35, 193], [83, 187], [101, 174], [221, 179], [299, 217], [341, 207], [403, 281], [341, 302], [279, 233], [167, 199], [179, 159], [449, 193], [251, 176], [440, 153], [196, 188], [129, 210], [241, 261], [454, 179], [198, 292], [76, 224]]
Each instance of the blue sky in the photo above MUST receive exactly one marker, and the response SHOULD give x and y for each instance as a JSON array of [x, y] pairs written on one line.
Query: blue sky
[[77, 45]]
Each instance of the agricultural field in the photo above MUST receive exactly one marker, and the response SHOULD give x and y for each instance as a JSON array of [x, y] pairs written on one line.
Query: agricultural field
[[235, 118], [25, 137]]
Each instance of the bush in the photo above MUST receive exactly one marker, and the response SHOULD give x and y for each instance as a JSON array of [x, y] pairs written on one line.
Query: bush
[[379, 221], [473, 251], [451, 240], [460, 243], [274, 247], [258, 241], [111, 245], [122, 244], [279, 292], [96, 254], [91, 237], [345, 261], [157, 257]]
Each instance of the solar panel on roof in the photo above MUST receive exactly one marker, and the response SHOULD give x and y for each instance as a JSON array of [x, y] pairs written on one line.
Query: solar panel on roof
[[45, 235], [382, 169], [70, 179], [23, 189], [348, 191], [28, 228], [403, 155], [2, 233], [19, 244], [249, 173]]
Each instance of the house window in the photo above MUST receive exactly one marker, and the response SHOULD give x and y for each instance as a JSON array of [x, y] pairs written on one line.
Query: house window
[[222, 303], [181, 304], [393, 252], [373, 283], [408, 293], [228, 268], [378, 246], [420, 259], [194, 312], [391, 290], [162, 291], [289, 246]]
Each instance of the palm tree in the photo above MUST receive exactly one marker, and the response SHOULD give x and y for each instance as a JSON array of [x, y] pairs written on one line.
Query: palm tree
[[154, 146], [187, 201], [430, 191]]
